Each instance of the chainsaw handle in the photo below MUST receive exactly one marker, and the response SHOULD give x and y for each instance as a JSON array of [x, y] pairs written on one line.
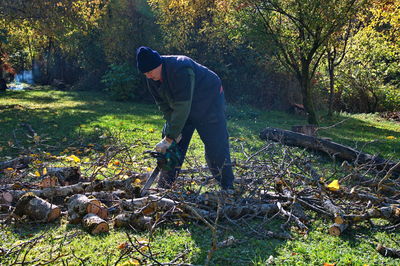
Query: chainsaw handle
[[154, 154]]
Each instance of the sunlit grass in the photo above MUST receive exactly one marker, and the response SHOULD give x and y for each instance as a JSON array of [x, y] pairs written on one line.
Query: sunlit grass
[[61, 117]]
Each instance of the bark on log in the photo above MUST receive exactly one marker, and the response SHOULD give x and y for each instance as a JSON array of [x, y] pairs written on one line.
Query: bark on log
[[153, 203], [17, 163], [65, 175], [337, 150], [79, 188], [391, 213], [94, 224], [237, 211], [54, 191], [36, 208], [79, 205], [388, 252], [137, 220]]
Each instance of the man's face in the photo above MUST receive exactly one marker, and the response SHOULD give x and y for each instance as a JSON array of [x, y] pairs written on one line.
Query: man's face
[[154, 74]]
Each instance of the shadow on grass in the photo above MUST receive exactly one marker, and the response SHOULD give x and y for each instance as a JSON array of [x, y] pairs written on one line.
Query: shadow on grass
[[250, 246], [66, 115]]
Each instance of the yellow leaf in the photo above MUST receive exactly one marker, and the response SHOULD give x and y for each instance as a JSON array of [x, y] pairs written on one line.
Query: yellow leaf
[[334, 185], [390, 137], [37, 173], [9, 169], [73, 158], [137, 181], [329, 264], [133, 262], [152, 130], [86, 160], [44, 171]]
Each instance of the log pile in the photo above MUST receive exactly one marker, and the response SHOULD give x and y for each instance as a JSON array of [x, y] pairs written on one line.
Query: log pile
[[274, 182]]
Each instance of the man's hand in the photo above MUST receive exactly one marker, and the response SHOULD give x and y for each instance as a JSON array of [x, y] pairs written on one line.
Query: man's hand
[[163, 145]]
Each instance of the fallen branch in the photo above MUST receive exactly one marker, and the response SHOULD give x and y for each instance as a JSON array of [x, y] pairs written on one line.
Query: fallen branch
[[329, 147]]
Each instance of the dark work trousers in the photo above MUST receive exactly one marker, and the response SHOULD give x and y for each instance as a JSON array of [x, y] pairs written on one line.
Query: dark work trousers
[[213, 132]]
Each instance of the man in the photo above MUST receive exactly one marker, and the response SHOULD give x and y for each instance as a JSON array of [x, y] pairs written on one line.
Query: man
[[190, 97]]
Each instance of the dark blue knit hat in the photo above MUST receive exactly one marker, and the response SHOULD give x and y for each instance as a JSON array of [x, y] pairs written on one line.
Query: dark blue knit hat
[[147, 59]]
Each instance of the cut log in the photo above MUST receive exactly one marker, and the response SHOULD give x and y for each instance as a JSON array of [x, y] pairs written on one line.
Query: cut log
[[94, 224], [337, 229], [17, 163], [107, 197], [153, 203], [65, 175], [6, 198], [137, 220], [36, 208], [333, 149], [237, 211], [390, 213], [332, 208], [388, 252], [53, 192], [79, 205]]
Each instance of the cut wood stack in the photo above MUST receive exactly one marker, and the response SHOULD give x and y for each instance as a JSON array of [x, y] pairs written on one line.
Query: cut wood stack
[[79, 205]]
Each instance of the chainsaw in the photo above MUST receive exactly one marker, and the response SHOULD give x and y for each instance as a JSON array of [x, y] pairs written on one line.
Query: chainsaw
[[165, 161]]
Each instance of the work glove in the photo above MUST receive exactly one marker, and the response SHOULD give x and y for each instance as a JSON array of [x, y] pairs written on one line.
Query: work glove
[[163, 145]]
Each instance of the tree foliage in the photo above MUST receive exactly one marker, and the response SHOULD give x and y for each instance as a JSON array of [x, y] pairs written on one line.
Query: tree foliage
[[370, 77], [299, 29]]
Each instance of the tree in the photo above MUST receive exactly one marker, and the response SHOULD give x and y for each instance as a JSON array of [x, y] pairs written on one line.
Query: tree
[[370, 77], [299, 29], [336, 48]]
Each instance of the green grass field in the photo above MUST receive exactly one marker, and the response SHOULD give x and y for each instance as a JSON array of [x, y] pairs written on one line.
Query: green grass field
[[63, 120]]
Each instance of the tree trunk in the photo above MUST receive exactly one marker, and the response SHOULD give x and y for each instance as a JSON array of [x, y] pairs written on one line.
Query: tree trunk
[[305, 85], [331, 148], [331, 70]]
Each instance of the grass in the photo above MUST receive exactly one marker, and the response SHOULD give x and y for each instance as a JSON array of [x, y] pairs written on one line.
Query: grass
[[64, 119]]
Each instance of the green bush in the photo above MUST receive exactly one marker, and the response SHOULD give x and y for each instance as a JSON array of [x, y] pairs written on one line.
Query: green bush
[[122, 81]]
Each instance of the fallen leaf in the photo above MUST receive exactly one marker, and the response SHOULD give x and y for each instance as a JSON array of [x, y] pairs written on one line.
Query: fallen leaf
[[37, 173], [390, 137], [73, 158], [123, 245], [333, 186]]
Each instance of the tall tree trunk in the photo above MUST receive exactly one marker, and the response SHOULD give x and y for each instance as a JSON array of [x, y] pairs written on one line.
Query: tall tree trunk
[[331, 69], [305, 85]]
